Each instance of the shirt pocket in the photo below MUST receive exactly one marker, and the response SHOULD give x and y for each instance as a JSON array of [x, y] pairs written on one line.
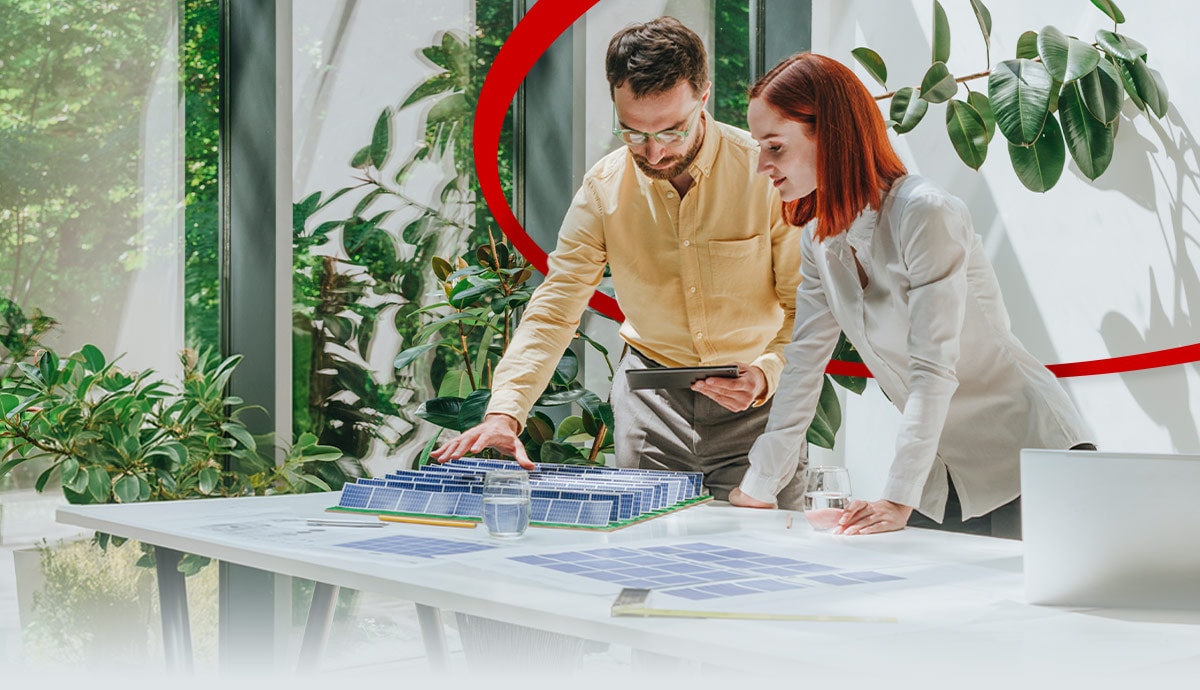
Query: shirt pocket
[[741, 268]]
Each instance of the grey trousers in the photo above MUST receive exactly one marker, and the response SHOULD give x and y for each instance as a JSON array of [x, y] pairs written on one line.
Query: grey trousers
[[678, 429]]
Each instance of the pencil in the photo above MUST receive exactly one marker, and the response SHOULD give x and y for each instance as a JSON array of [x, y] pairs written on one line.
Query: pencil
[[428, 521]]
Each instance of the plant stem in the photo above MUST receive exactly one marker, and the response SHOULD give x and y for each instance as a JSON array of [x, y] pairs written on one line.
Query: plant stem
[[959, 80]]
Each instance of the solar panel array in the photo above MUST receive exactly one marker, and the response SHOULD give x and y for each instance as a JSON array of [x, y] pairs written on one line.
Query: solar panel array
[[699, 570], [423, 547], [564, 495]]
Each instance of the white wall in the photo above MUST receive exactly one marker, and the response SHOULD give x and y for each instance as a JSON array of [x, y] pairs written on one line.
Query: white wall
[[1089, 270]]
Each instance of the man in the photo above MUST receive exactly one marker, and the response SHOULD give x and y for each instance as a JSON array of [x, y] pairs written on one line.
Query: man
[[703, 265]]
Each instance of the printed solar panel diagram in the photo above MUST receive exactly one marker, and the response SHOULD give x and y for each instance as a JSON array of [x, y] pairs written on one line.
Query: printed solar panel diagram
[[699, 570], [570, 496]]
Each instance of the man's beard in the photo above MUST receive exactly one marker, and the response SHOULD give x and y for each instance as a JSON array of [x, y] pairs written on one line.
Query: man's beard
[[676, 169]]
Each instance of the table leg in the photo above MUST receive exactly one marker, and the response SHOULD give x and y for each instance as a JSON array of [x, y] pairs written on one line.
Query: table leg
[[172, 601], [434, 635], [316, 630]]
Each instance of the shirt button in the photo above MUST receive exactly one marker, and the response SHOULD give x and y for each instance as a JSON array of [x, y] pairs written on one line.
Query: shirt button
[[692, 290], [670, 195], [687, 243], [699, 334]]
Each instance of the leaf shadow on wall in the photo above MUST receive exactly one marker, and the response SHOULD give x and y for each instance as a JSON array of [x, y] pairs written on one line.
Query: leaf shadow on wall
[[1164, 394]]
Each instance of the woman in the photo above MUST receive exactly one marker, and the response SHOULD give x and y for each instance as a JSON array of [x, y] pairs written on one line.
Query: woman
[[892, 260]]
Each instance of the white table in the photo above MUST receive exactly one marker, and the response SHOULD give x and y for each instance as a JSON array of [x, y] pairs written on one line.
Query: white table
[[961, 610]]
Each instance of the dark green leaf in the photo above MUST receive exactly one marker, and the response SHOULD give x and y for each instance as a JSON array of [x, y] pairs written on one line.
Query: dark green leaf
[[1102, 92], [442, 412], [411, 354], [827, 417], [566, 370], [871, 62], [984, 17], [1150, 86], [48, 367], [1027, 46], [1019, 91], [78, 483], [1110, 8], [361, 159], [561, 397], [968, 133], [983, 106], [441, 268], [240, 433], [126, 489], [571, 426], [1065, 57], [93, 357], [941, 37], [379, 139], [473, 408], [1120, 46], [1127, 81], [938, 85], [423, 458], [99, 486], [438, 83], [1039, 166], [562, 453], [209, 478], [906, 110], [1089, 141], [539, 430], [8, 403]]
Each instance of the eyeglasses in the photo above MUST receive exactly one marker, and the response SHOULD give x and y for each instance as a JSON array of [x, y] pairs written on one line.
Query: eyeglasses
[[667, 137]]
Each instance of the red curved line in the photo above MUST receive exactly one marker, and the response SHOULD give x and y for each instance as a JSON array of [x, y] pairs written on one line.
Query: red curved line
[[542, 24], [1185, 354]]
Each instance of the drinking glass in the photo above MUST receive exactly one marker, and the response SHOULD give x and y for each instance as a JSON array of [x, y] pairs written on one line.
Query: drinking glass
[[826, 494], [506, 503]]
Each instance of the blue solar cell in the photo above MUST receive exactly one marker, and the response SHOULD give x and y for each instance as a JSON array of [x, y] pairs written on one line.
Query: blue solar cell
[[567, 567], [834, 580], [563, 511], [384, 498], [354, 496], [597, 513], [539, 508], [442, 504], [413, 502], [771, 585], [693, 594], [469, 505]]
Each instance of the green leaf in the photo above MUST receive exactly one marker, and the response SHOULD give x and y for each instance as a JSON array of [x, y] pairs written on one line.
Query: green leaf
[[1120, 46], [1103, 92], [571, 426], [983, 106], [79, 482], [561, 397], [408, 356], [938, 85], [1150, 86], [941, 36], [452, 107], [8, 403], [1110, 8], [1039, 166], [175, 453], [984, 17], [906, 110], [423, 458], [441, 268], [1127, 81], [968, 133], [1019, 91], [48, 367], [442, 412], [438, 83], [539, 430], [240, 433], [379, 139], [1027, 46], [827, 418], [871, 62], [126, 489], [562, 453], [473, 408], [209, 478], [99, 485], [14, 462], [1065, 57], [93, 357], [455, 384], [361, 159], [566, 370]]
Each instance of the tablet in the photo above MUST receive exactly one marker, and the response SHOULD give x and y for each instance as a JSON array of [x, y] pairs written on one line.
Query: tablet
[[676, 377]]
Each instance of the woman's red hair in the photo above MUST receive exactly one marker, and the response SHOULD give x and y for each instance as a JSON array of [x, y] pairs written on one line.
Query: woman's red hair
[[855, 160]]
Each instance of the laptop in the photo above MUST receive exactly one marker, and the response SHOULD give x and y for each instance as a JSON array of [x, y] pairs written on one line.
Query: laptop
[[1117, 530]]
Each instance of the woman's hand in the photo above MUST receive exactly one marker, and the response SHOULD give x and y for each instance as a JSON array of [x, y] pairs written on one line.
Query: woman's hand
[[862, 517]]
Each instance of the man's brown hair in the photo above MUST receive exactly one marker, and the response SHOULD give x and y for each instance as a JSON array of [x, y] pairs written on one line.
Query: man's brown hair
[[655, 56]]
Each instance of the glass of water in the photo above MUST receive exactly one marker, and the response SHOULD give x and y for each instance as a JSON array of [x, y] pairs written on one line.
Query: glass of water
[[826, 494], [506, 503]]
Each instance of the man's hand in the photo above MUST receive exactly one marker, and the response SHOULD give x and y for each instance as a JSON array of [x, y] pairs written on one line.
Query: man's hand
[[737, 498], [734, 394], [883, 515], [497, 431]]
